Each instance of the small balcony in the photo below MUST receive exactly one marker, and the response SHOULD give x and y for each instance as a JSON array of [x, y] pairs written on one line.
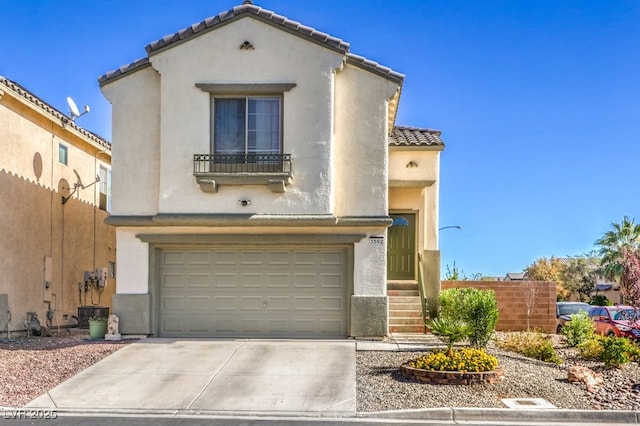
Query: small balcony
[[213, 170]]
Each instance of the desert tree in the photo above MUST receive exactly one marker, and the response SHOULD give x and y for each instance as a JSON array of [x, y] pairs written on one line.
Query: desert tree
[[580, 275], [544, 269]]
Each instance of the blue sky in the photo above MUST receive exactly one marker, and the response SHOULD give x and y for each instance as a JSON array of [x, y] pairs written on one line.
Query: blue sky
[[538, 101]]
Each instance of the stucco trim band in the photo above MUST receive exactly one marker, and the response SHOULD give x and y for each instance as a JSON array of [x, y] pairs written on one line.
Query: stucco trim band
[[253, 239], [245, 89], [410, 183], [221, 220]]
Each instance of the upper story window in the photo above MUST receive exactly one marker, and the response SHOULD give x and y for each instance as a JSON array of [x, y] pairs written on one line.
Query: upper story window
[[105, 189], [246, 141], [62, 154], [247, 125]]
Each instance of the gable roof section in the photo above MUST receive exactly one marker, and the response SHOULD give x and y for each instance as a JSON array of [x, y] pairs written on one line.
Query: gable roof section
[[413, 136], [47, 109], [247, 9]]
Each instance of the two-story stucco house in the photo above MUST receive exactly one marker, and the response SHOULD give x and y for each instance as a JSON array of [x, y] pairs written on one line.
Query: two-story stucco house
[[54, 197], [257, 170]]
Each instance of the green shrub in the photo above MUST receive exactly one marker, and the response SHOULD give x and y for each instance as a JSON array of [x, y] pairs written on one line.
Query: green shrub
[[531, 344], [617, 351], [478, 308], [451, 301], [590, 348], [465, 360], [579, 329], [599, 300], [452, 330]]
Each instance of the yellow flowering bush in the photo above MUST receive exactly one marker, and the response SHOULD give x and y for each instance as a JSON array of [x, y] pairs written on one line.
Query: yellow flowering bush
[[464, 360]]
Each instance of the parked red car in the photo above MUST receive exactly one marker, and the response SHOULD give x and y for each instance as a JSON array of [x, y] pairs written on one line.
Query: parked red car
[[616, 320]]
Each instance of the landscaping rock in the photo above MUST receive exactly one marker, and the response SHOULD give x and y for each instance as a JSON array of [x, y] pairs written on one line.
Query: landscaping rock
[[591, 379]]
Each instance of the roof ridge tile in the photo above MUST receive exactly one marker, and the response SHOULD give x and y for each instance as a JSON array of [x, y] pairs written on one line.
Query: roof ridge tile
[[46, 107], [415, 136], [272, 18]]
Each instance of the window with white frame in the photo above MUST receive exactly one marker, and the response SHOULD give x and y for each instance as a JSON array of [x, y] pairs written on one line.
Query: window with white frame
[[247, 125], [105, 189], [62, 154]]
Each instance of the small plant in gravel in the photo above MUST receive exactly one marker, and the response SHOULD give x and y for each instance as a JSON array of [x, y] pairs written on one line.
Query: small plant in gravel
[[591, 348], [478, 308], [452, 330], [463, 360], [579, 329], [617, 351], [531, 344]]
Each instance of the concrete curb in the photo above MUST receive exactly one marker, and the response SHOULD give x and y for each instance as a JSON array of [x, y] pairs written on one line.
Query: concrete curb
[[507, 415], [181, 413], [453, 416]]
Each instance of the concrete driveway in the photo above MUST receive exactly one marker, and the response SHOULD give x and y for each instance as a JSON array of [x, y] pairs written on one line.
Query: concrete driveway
[[215, 376]]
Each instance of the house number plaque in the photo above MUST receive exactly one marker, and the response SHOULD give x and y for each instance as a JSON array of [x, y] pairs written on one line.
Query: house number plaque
[[376, 241]]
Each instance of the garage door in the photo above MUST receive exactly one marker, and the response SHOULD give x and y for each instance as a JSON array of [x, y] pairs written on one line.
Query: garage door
[[253, 293]]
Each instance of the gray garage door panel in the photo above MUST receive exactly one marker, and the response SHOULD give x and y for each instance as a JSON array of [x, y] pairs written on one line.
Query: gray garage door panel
[[253, 293]]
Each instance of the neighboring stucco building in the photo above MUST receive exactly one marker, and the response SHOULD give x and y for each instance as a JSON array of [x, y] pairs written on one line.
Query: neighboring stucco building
[[46, 244], [255, 166]]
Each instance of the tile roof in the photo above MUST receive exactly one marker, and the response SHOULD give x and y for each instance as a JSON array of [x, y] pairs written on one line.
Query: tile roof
[[263, 15], [140, 63], [45, 107], [413, 136], [257, 12]]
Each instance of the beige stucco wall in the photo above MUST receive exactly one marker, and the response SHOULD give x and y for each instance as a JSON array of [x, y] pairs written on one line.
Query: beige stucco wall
[[133, 269], [361, 160], [334, 126], [416, 189], [136, 155], [36, 225], [185, 118]]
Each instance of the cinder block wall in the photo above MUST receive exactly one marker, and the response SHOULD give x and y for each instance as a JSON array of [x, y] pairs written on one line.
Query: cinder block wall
[[511, 298]]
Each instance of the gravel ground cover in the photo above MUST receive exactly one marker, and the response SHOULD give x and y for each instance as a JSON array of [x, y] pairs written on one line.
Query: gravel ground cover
[[31, 366], [380, 386]]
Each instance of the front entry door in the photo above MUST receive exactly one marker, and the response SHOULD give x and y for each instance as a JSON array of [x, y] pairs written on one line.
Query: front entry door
[[401, 247]]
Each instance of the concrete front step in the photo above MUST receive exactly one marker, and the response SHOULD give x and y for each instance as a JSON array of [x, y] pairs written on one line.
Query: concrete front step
[[402, 285], [405, 320], [413, 293], [426, 338], [405, 309], [418, 329], [409, 313], [404, 299]]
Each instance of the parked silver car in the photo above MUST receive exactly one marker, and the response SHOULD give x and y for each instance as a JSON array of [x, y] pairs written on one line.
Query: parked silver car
[[564, 310]]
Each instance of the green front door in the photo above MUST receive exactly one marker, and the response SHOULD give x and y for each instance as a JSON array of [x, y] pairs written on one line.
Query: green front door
[[401, 247]]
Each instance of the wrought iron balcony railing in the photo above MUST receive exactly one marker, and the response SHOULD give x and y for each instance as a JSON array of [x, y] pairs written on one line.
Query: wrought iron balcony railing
[[241, 163]]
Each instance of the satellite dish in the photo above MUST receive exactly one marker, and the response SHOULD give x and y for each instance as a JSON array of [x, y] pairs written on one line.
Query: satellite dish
[[74, 112], [77, 175], [73, 108]]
